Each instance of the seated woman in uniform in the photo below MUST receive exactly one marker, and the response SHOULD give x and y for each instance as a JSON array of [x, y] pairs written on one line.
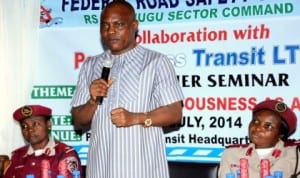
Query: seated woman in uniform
[[42, 155], [269, 151]]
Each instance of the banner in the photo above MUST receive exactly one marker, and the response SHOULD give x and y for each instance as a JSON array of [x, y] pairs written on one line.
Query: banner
[[228, 55]]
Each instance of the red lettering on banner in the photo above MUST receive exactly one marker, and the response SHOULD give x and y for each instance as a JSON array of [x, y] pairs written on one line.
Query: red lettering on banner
[[79, 58], [295, 104], [276, 98], [220, 103], [256, 32], [164, 37], [231, 103]]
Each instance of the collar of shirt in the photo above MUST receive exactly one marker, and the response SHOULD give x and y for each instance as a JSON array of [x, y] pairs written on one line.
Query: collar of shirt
[[49, 149], [264, 152], [134, 56], [276, 150]]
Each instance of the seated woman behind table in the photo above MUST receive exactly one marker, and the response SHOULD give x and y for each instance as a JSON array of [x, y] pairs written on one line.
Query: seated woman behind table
[[42, 152], [271, 125]]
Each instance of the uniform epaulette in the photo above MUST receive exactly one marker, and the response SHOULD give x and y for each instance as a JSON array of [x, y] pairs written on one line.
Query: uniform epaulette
[[237, 146], [63, 147], [292, 143], [21, 149]]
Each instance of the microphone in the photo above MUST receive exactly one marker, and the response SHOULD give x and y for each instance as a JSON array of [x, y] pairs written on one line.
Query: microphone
[[107, 64]]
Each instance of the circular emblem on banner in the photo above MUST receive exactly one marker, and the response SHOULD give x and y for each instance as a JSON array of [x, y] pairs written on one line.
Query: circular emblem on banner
[[26, 111], [280, 107]]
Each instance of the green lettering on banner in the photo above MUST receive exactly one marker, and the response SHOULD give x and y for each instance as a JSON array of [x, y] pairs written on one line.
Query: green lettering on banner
[[61, 120], [150, 17], [53, 91], [91, 19], [65, 135], [258, 10]]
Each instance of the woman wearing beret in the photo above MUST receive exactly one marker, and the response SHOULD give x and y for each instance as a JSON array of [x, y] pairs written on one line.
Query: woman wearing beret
[[43, 157], [269, 152]]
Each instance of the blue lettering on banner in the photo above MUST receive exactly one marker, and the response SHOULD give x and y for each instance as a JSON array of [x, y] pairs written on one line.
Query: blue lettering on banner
[[290, 49], [209, 2], [253, 57], [146, 4], [78, 5]]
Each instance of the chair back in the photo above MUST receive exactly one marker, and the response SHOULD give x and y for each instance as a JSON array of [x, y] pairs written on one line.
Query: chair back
[[4, 161]]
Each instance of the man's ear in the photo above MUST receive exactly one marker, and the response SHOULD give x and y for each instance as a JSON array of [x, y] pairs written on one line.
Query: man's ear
[[135, 25]]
